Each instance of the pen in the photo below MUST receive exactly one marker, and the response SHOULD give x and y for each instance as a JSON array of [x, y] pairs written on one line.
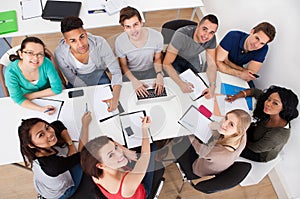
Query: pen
[[96, 11], [201, 96], [48, 110], [86, 107]]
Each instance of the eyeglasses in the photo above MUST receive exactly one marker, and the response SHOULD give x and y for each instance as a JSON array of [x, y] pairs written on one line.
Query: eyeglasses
[[31, 54]]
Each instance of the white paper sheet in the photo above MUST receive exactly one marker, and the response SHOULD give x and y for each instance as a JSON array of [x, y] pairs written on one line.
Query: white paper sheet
[[44, 102], [225, 106], [199, 86], [134, 121], [31, 8], [100, 108], [196, 123]]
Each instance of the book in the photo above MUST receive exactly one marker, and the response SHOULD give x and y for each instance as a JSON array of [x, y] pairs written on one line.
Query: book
[[196, 123], [131, 124], [229, 89], [8, 22], [196, 80]]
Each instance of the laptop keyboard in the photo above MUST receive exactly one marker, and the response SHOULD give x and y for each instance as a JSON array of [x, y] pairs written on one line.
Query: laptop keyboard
[[152, 94]]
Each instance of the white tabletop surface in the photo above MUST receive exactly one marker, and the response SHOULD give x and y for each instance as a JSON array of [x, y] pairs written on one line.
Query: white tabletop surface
[[163, 126]]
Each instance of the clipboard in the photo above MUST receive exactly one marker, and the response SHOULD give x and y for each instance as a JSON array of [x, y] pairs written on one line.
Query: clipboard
[[100, 108], [196, 123], [42, 102], [132, 128], [197, 81]]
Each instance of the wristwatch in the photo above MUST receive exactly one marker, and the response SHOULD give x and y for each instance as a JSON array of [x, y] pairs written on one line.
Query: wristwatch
[[70, 143], [160, 72]]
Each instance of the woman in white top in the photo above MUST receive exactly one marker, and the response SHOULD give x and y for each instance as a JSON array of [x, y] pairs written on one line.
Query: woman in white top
[[139, 52]]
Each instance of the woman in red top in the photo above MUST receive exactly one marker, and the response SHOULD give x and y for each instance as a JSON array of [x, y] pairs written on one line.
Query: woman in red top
[[104, 160]]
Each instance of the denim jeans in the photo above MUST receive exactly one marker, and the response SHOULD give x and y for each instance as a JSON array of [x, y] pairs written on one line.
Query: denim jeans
[[76, 173]]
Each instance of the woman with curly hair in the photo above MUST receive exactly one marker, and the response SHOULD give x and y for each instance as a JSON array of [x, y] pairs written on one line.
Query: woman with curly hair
[[275, 108]]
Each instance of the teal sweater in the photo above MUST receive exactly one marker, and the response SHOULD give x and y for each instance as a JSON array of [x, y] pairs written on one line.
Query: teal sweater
[[18, 86]]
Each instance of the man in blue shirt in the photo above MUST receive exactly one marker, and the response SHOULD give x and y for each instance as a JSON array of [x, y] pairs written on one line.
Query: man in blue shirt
[[239, 48]]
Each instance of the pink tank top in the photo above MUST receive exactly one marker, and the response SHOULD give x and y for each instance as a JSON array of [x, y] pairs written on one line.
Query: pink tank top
[[140, 192]]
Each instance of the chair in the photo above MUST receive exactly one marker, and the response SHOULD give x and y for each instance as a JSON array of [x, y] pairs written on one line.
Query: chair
[[4, 61], [259, 170], [227, 179], [170, 27]]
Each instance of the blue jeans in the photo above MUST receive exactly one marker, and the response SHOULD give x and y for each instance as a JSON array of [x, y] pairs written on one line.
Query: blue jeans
[[148, 178], [103, 80], [76, 173], [181, 65]]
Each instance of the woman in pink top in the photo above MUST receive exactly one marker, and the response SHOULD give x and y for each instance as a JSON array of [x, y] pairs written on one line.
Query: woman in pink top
[[104, 160], [222, 153]]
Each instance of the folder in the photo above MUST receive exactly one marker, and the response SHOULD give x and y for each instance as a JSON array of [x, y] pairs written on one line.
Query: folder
[[228, 89], [57, 10], [199, 84], [196, 123], [8, 22], [131, 124]]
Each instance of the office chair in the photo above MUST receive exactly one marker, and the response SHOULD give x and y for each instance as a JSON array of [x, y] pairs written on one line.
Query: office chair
[[170, 27], [227, 179]]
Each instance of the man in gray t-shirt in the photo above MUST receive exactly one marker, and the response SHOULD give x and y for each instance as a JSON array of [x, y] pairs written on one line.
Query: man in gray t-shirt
[[184, 49]]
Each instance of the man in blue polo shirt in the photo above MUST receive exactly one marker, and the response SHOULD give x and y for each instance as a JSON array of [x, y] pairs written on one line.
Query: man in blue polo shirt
[[239, 48]]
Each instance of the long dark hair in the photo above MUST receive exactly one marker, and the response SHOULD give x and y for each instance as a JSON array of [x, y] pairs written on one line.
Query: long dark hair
[[289, 102], [29, 153], [89, 156], [36, 40]]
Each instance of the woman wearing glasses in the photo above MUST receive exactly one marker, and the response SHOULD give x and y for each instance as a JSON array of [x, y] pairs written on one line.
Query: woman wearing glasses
[[31, 75]]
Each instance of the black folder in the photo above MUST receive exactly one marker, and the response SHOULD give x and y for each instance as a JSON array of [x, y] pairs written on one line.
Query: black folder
[[57, 10]]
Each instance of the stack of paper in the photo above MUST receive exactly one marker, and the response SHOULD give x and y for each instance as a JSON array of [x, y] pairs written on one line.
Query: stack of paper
[[114, 6], [221, 106], [31, 8], [197, 81]]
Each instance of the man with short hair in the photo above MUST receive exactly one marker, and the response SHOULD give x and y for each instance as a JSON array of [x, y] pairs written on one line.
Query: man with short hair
[[184, 49], [83, 58], [238, 48]]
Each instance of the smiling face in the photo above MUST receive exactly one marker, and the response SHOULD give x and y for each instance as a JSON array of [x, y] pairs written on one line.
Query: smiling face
[[42, 135], [32, 55], [256, 40], [273, 104], [112, 156], [77, 39], [205, 31], [229, 125], [133, 27]]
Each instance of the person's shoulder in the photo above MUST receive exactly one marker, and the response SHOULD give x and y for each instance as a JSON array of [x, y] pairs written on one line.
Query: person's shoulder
[[235, 33], [121, 37], [189, 29]]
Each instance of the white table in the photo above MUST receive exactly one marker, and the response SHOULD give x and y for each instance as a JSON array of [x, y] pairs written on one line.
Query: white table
[[41, 26], [162, 128]]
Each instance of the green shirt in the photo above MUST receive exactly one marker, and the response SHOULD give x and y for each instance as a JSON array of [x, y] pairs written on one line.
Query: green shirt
[[18, 86]]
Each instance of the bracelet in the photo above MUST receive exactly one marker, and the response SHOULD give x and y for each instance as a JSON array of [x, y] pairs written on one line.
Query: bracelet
[[212, 83], [244, 92], [70, 143]]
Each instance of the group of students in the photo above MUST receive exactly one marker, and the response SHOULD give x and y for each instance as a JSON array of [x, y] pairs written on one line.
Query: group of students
[[84, 58]]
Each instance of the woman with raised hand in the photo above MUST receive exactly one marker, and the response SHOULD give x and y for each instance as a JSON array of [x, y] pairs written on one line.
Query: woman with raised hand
[[49, 151], [31, 75], [106, 160], [274, 110]]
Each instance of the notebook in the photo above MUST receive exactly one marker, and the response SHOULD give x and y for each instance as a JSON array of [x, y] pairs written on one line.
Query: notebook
[[8, 22], [196, 123], [57, 10]]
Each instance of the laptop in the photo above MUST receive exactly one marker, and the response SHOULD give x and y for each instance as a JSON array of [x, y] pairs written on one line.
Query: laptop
[[152, 97], [57, 10], [8, 22]]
